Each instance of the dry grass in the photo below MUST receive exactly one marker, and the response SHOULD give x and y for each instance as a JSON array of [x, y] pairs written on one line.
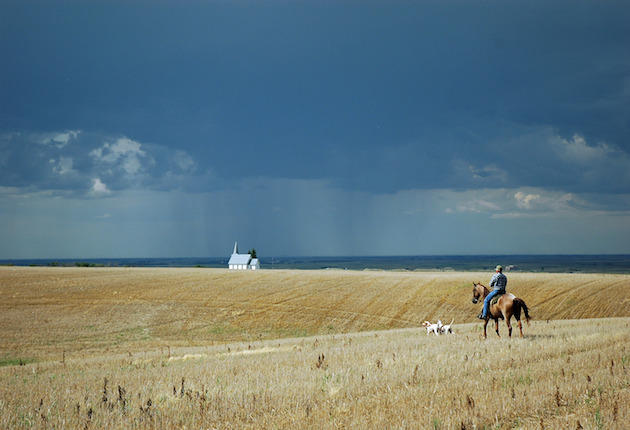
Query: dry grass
[[46, 311], [174, 348], [563, 373]]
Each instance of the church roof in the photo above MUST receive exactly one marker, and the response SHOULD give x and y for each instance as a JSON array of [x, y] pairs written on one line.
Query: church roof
[[240, 259]]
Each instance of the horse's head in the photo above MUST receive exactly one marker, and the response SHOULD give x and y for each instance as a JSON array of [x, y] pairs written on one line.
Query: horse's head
[[477, 292]]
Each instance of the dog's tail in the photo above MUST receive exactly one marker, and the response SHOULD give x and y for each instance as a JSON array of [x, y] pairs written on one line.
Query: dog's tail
[[451, 323], [518, 305]]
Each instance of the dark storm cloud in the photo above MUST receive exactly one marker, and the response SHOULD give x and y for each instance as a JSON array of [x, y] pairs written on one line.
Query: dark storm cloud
[[377, 97], [170, 129]]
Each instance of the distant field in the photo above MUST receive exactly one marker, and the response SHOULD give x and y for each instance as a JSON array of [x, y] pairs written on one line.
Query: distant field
[[84, 311], [208, 348]]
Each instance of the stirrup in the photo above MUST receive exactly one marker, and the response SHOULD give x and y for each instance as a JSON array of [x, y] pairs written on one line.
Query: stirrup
[[481, 317]]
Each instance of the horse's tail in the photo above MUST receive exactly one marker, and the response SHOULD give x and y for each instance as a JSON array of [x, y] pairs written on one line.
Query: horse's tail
[[520, 304]]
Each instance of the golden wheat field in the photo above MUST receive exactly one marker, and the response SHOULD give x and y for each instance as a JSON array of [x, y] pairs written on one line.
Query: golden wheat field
[[209, 348]]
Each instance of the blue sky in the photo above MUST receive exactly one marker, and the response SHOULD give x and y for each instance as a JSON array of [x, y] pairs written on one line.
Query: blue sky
[[156, 129]]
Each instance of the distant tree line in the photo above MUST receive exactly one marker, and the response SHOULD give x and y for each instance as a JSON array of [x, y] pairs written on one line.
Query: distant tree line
[[75, 264]]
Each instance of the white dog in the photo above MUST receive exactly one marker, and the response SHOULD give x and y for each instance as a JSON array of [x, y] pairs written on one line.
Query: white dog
[[435, 328], [446, 329]]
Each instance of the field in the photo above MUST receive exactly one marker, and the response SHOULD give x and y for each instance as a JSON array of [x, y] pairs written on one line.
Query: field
[[205, 348]]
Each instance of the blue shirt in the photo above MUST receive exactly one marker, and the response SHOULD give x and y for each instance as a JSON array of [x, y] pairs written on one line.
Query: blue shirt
[[498, 281]]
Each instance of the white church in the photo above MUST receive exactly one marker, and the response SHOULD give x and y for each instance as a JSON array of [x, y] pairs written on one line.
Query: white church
[[242, 261]]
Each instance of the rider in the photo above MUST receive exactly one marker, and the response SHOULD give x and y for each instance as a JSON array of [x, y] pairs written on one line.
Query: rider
[[499, 282]]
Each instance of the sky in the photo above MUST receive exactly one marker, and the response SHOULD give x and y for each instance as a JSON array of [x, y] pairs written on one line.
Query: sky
[[314, 128]]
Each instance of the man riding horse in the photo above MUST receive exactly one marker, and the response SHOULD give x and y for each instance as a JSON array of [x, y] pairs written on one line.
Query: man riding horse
[[499, 282], [506, 306]]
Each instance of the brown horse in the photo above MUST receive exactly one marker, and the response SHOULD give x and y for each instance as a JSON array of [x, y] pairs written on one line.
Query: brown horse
[[505, 307]]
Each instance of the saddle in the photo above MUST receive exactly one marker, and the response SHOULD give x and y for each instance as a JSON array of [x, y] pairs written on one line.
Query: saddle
[[496, 298]]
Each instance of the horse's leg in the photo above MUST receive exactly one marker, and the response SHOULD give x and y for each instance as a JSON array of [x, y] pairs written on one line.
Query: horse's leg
[[507, 321], [485, 325], [496, 323], [519, 308]]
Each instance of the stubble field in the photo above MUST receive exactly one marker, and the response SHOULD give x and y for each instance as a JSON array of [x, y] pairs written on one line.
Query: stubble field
[[200, 348]]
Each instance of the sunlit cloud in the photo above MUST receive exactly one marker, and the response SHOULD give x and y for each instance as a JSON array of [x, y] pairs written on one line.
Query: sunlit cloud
[[99, 188], [525, 201]]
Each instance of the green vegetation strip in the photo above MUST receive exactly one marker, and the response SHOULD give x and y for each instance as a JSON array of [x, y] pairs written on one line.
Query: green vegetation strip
[[9, 361]]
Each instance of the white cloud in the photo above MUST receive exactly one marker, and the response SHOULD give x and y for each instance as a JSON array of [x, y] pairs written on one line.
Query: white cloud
[[578, 150], [68, 161], [124, 151], [98, 187], [525, 201], [59, 139], [97, 153], [508, 202], [541, 203]]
